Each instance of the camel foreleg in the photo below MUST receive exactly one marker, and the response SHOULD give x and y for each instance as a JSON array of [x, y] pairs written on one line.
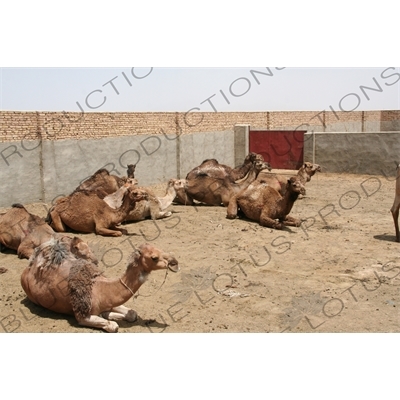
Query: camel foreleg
[[269, 222], [56, 222], [291, 221], [395, 213], [94, 321], [120, 313], [232, 210]]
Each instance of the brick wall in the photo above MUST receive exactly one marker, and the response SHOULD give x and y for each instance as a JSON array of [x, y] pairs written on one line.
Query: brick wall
[[16, 126]]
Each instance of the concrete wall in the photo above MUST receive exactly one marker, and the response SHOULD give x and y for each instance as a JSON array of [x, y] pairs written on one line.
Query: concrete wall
[[373, 153], [35, 171]]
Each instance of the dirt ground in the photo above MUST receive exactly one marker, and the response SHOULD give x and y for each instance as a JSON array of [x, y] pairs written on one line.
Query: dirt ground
[[338, 272]]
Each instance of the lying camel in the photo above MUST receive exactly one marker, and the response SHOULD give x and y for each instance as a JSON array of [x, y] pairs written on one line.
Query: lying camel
[[214, 169], [85, 212], [59, 282], [154, 207], [215, 191], [23, 232], [102, 183], [264, 204], [396, 204], [278, 182]]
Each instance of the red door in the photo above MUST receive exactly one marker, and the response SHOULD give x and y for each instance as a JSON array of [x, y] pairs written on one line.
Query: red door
[[282, 149]]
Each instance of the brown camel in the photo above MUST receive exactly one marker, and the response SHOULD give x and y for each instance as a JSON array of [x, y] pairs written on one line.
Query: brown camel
[[215, 191], [23, 232], [59, 282], [396, 204], [278, 182], [214, 169], [102, 183], [264, 204], [85, 212]]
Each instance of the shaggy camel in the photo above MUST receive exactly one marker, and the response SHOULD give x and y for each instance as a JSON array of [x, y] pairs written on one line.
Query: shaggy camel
[[102, 183], [264, 204], [278, 182], [154, 207], [396, 204], [59, 282], [23, 231], [85, 212], [215, 191]]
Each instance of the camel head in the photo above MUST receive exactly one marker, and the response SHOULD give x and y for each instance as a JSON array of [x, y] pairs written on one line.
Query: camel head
[[131, 170], [81, 249], [136, 194], [311, 168], [261, 165], [294, 185], [251, 157], [177, 184], [150, 258]]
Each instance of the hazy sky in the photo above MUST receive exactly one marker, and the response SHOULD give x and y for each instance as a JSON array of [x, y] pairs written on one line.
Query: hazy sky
[[203, 89]]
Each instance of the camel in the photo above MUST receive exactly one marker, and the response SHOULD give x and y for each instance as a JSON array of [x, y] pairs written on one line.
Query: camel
[[59, 282], [85, 212], [278, 182], [215, 191], [154, 207], [396, 204], [214, 169], [102, 183], [264, 204], [23, 232]]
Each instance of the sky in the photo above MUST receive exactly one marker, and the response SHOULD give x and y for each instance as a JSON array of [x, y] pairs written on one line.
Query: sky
[[157, 89]]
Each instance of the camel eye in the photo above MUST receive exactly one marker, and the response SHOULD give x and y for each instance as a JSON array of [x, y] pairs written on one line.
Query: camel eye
[[154, 258]]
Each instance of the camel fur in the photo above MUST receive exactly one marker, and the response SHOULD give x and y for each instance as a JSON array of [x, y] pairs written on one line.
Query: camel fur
[[59, 282], [264, 204], [216, 191], [23, 232], [396, 204], [85, 212]]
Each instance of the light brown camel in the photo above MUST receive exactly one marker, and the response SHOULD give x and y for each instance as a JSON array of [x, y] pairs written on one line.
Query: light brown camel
[[102, 183], [85, 212], [59, 282], [23, 232], [154, 207], [215, 191], [264, 204], [278, 182], [396, 204]]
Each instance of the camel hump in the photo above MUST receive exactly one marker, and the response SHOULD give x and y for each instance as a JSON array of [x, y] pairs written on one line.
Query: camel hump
[[17, 205]]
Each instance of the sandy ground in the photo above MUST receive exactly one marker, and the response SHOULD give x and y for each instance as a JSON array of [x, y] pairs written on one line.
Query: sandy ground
[[338, 272]]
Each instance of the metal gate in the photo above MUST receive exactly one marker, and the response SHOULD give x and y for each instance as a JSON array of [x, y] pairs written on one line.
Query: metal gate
[[282, 149]]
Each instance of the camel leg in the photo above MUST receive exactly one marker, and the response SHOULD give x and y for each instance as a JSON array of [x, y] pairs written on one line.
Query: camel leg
[[291, 221], [268, 222], [232, 209], [57, 223], [395, 213], [95, 321], [120, 313], [109, 232]]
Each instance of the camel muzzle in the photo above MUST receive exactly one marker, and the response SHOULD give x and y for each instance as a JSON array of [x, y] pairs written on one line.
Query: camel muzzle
[[173, 265]]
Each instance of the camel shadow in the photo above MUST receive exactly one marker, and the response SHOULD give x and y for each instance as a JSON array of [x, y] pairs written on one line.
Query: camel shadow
[[385, 237], [39, 311], [144, 323]]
